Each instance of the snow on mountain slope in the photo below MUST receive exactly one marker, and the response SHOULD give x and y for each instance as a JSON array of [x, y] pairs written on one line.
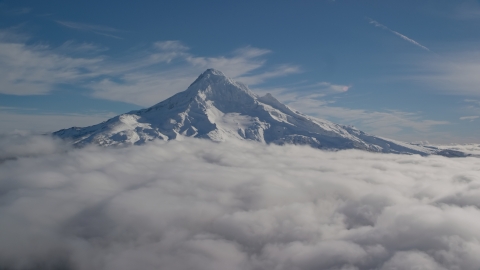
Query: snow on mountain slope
[[218, 108]]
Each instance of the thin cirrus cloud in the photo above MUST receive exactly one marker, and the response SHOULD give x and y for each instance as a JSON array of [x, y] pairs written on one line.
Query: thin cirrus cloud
[[17, 11], [467, 10], [473, 106], [474, 101], [78, 48], [196, 204], [295, 91], [469, 118], [454, 73], [278, 72], [171, 45], [35, 69], [332, 88], [393, 124], [96, 29], [379, 25]]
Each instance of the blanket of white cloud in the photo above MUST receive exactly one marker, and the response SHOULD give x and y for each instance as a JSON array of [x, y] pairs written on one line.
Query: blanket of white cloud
[[197, 204]]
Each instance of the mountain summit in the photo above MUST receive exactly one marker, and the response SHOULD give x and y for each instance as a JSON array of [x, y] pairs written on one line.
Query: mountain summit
[[217, 108]]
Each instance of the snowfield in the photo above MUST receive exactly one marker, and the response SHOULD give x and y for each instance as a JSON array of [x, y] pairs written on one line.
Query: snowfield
[[198, 204]]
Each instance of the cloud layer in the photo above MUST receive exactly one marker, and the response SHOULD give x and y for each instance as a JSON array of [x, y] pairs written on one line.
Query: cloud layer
[[236, 205]]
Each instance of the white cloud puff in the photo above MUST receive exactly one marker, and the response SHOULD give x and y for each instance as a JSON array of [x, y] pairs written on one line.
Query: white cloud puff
[[196, 204]]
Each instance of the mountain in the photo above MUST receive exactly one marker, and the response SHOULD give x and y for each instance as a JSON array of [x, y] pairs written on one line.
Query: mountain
[[217, 108]]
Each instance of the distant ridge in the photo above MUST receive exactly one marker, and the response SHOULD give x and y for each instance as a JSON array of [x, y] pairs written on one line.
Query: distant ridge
[[216, 107]]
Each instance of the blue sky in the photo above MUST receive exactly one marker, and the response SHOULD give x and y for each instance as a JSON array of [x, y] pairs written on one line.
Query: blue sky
[[407, 70]]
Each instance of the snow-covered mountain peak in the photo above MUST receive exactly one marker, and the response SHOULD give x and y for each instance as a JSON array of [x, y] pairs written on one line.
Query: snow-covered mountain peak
[[210, 75], [213, 72], [214, 83], [218, 108]]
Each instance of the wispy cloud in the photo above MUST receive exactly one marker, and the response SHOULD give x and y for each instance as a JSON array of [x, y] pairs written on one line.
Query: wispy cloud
[[467, 10], [469, 118], [171, 45], [96, 29], [171, 68], [87, 27], [16, 108], [302, 89], [17, 11], [143, 77], [455, 73], [33, 70], [474, 101], [390, 123], [472, 107], [75, 48], [333, 88], [278, 72], [379, 25]]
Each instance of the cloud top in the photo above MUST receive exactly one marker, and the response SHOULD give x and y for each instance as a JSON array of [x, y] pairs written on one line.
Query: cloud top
[[237, 205]]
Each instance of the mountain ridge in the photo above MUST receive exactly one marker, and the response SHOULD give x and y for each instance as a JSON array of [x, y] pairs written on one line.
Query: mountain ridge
[[218, 108]]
